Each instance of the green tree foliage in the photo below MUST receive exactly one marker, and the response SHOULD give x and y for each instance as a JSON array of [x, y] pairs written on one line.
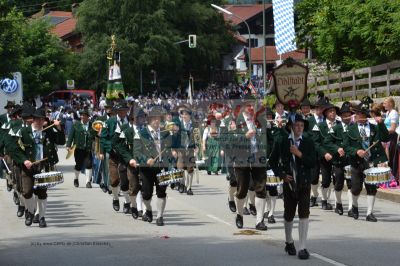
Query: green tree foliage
[[146, 33], [350, 34]]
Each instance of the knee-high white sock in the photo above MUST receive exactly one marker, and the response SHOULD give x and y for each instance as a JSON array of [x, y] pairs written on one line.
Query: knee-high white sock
[[147, 204], [161, 206], [42, 207], [260, 206], [133, 201], [115, 191], [252, 197], [30, 204], [126, 196], [36, 206], [273, 204], [139, 201], [77, 174], [371, 203], [338, 197], [268, 205], [314, 190], [303, 231], [231, 193], [288, 231], [355, 200], [350, 197], [189, 180], [21, 200], [329, 190], [239, 205], [325, 193], [89, 177]]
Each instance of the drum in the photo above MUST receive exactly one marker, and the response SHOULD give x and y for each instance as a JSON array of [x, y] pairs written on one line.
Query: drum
[[170, 177], [377, 175], [48, 180], [272, 180], [347, 172]]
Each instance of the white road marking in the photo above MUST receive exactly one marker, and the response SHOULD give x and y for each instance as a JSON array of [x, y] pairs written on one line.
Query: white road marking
[[328, 260], [218, 219]]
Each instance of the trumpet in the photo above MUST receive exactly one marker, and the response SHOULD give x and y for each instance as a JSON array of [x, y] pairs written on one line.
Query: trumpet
[[97, 126], [169, 126]]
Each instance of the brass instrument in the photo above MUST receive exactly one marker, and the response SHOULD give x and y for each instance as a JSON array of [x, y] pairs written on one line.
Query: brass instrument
[[169, 126], [97, 126]]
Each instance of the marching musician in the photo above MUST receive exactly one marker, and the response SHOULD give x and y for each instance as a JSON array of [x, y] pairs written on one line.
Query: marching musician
[[334, 143], [37, 152], [292, 159], [82, 136], [108, 136], [360, 136], [152, 151], [249, 159]]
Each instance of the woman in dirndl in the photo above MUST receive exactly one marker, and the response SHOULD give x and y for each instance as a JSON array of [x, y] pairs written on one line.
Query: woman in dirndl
[[211, 145]]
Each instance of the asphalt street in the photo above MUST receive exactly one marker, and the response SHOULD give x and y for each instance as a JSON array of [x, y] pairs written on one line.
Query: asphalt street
[[83, 229]]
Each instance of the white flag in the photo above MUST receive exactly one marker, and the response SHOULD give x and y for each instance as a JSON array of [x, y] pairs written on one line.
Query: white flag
[[284, 26]]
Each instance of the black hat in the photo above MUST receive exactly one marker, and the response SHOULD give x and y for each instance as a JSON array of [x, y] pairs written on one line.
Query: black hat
[[9, 104], [328, 106], [39, 113], [362, 108], [122, 106], [268, 111], [346, 108], [305, 102], [299, 118], [17, 110], [27, 110], [321, 102], [85, 111], [367, 99], [156, 112], [185, 109]]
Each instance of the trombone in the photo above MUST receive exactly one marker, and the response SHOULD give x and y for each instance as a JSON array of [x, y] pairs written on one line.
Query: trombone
[[97, 126]]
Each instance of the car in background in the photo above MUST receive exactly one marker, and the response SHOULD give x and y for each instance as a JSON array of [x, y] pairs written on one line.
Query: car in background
[[61, 97]]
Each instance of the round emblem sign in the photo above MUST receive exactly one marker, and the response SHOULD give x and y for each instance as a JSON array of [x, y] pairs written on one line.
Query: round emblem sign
[[9, 86]]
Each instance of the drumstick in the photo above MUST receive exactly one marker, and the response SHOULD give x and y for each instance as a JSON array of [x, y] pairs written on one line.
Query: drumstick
[[48, 127], [39, 161], [373, 144], [160, 154]]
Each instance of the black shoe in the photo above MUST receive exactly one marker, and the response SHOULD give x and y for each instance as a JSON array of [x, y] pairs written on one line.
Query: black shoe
[[140, 213], [261, 226], [350, 213], [326, 206], [253, 210], [35, 219], [42, 223], [126, 209], [103, 187], [29, 219], [184, 189], [266, 215], [88, 185], [16, 198], [290, 249], [21, 210], [271, 219], [109, 191], [232, 205], [172, 186], [303, 254], [26, 213], [313, 202], [181, 188], [355, 212], [339, 208], [148, 216], [160, 221], [239, 221], [9, 186], [246, 211], [371, 218], [189, 192], [209, 172], [135, 213], [115, 205], [76, 182]]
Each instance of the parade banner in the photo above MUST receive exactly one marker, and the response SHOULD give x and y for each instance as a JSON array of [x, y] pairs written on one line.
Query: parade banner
[[115, 88]]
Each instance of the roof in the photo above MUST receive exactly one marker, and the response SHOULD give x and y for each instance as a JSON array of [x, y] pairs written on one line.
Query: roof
[[272, 55], [244, 11], [65, 28], [63, 22]]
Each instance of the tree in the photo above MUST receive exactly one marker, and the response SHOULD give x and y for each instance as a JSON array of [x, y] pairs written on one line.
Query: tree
[[146, 32], [350, 34]]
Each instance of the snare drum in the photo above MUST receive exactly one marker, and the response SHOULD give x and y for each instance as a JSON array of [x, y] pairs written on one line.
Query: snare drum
[[377, 175], [48, 180], [170, 177], [347, 172], [272, 180]]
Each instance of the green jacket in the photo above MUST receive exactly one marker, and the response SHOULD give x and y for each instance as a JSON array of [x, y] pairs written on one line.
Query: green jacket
[[280, 158], [320, 136], [80, 137], [334, 141], [353, 143], [107, 133], [26, 147], [124, 146]]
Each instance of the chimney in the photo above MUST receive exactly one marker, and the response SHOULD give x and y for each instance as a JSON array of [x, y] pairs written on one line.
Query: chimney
[[45, 9], [74, 8]]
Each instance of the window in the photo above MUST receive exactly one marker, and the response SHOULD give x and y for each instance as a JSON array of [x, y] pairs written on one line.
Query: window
[[254, 42]]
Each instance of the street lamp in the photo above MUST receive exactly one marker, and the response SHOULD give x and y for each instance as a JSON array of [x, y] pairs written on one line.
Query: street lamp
[[247, 25]]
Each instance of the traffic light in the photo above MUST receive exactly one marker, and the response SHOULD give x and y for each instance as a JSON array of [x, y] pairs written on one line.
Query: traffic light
[[192, 41]]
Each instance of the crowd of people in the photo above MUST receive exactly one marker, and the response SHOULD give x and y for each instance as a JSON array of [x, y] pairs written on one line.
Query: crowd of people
[[133, 146]]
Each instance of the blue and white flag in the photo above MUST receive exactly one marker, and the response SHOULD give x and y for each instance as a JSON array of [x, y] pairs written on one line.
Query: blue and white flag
[[284, 26]]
